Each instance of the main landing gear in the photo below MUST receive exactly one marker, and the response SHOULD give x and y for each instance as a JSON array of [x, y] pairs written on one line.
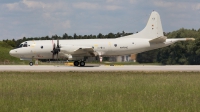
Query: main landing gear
[[81, 63]]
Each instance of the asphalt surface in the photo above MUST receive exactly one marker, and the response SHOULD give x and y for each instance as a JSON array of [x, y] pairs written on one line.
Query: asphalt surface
[[62, 68]]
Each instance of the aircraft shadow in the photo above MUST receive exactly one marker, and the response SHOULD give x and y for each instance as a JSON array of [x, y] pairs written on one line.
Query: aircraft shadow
[[90, 65]]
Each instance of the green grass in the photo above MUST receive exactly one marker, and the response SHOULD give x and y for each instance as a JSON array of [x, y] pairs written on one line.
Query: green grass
[[101, 91], [5, 57]]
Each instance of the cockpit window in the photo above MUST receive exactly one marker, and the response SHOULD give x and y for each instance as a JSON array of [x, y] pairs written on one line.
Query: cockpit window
[[25, 45], [20, 45]]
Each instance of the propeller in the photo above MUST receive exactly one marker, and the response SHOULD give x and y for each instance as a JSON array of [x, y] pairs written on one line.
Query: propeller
[[56, 49]]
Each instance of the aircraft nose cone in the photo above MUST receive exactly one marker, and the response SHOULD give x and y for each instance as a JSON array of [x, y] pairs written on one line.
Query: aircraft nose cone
[[12, 52]]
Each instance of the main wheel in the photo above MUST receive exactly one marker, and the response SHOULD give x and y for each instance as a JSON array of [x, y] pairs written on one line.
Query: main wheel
[[76, 63], [82, 63], [31, 63]]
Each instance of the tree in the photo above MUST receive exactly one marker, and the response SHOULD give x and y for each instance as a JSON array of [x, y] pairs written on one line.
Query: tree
[[111, 35], [24, 39], [65, 36], [100, 36], [75, 36], [147, 57], [181, 52]]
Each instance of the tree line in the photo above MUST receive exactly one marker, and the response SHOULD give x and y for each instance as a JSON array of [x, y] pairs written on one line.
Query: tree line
[[15, 43], [181, 53]]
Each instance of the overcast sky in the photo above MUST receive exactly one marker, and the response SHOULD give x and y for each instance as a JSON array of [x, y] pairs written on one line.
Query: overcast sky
[[36, 18]]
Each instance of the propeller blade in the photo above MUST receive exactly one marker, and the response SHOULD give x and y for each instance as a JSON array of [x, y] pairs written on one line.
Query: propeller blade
[[52, 43], [57, 43], [52, 56], [56, 49], [54, 46]]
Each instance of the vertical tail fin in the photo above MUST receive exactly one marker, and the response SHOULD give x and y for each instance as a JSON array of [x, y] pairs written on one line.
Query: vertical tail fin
[[153, 28]]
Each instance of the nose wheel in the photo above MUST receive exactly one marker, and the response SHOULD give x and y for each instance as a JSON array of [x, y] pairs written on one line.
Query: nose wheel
[[31, 63], [81, 63]]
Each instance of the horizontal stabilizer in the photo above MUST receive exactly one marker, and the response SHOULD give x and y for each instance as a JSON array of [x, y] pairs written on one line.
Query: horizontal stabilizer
[[181, 39], [158, 40]]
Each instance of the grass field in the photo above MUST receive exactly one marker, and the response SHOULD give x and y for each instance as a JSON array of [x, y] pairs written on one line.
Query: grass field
[[99, 91], [6, 58]]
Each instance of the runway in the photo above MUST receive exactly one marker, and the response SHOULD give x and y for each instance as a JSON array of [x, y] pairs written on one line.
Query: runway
[[62, 68]]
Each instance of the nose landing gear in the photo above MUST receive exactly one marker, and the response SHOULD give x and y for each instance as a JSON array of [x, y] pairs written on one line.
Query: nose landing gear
[[31, 63]]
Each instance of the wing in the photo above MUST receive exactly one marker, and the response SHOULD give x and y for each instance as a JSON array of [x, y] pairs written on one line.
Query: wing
[[158, 40], [78, 50], [85, 52]]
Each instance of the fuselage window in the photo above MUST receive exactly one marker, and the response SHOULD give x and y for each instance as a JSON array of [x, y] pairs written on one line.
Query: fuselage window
[[115, 45], [41, 47], [133, 43]]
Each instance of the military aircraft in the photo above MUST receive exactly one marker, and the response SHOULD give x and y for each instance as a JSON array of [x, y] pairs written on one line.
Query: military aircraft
[[151, 37]]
